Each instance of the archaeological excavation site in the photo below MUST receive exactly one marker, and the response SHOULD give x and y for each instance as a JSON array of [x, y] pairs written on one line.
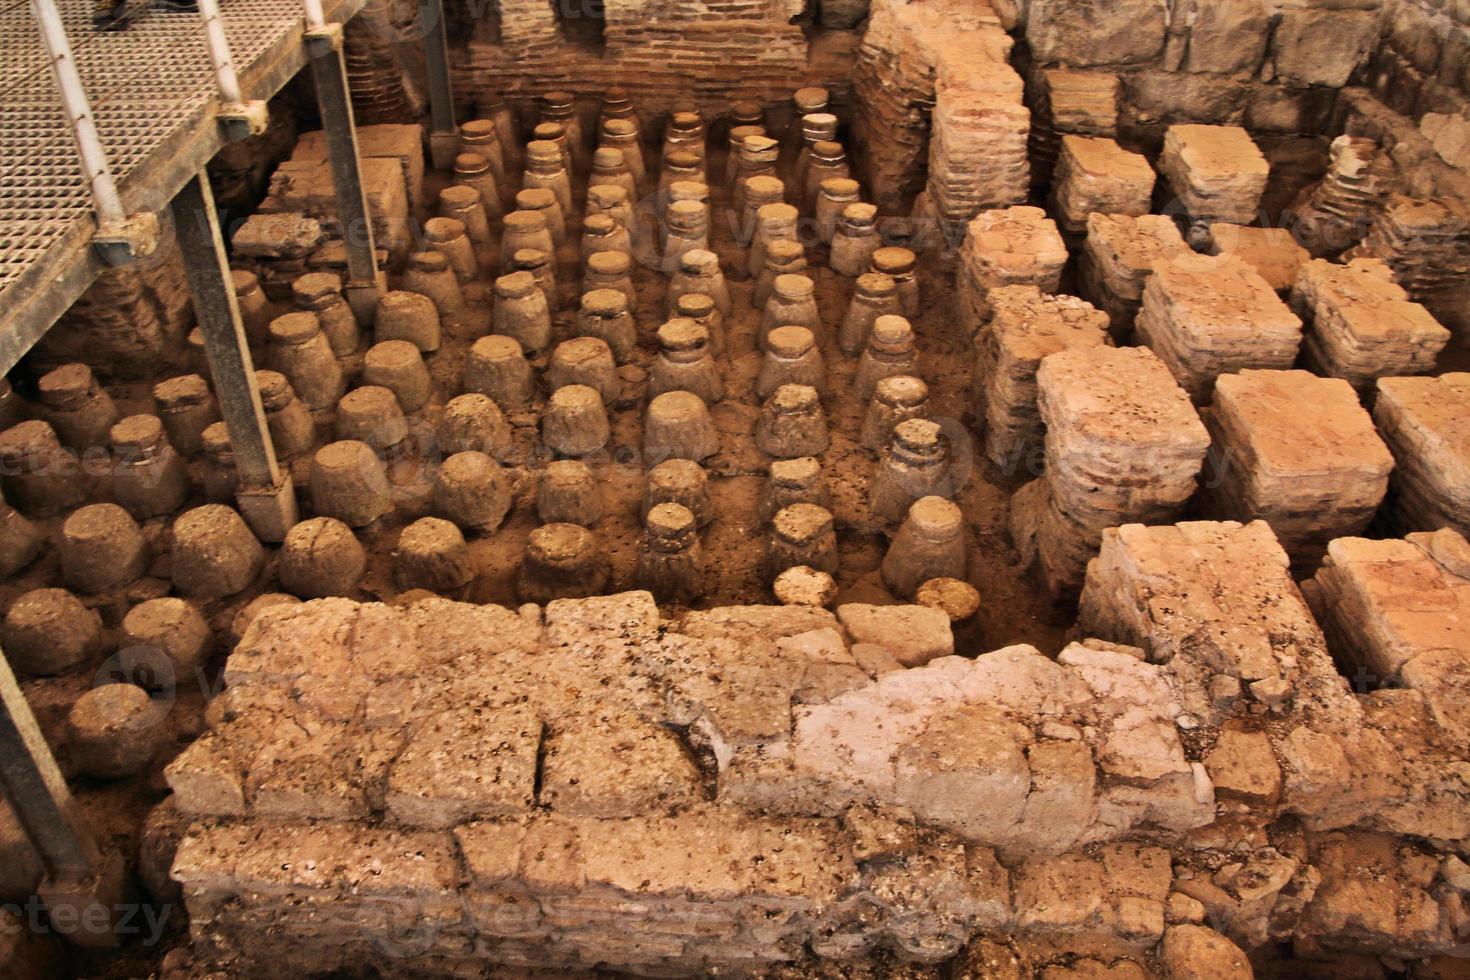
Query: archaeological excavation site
[[842, 489]]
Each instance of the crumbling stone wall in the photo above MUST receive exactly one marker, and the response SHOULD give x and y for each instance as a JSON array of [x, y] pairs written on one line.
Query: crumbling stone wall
[[586, 784], [1270, 66]]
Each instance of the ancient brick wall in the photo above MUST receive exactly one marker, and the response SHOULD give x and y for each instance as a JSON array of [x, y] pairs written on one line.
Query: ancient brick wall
[[661, 51]]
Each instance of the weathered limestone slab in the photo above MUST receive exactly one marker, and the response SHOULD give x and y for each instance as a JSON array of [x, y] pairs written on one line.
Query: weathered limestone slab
[[1026, 325], [1216, 172], [1211, 315], [1096, 175], [1216, 602], [1400, 612], [1362, 325], [1272, 252], [1297, 451], [1017, 246], [1095, 32], [1123, 444], [1426, 423], [1117, 260]]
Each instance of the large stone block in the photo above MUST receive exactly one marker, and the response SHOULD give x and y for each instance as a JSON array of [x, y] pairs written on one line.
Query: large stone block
[[1095, 32], [1315, 46]]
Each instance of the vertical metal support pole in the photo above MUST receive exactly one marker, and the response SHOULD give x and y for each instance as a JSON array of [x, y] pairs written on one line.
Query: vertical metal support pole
[[364, 285], [37, 791], [267, 499], [85, 890], [443, 137]]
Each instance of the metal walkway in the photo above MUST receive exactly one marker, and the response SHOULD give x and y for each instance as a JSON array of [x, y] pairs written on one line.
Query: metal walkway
[[153, 95]]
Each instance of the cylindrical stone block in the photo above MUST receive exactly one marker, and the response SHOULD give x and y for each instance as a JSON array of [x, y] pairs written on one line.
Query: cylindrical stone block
[[78, 408], [350, 483], [473, 492], [683, 482], [568, 493], [677, 425], [802, 534], [791, 358], [430, 274], [398, 366], [321, 293], [371, 414], [214, 553], [321, 557], [432, 554], [575, 421], [474, 423], [49, 631], [684, 362], [300, 352], [148, 478], [21, 541], [896, 399], [802, 585], [562, 561], [585, 361], [41, 477], [402, 315], [292, 429], [497, 368], [447, 236], [792, 423], [114, 731], [175, 628], [187, 407], [793, 481], [929, 544], [521, 311], [671, 562], [102, 549]]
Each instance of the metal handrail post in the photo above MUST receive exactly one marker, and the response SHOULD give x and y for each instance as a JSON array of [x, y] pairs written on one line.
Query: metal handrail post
[[105, 198], [238, 118], [219, 53]]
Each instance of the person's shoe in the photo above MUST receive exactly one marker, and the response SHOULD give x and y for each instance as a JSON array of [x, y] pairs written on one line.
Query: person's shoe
[[114, 15]]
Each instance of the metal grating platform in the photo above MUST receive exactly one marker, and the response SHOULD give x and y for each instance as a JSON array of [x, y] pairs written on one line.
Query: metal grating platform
[[152, 91]]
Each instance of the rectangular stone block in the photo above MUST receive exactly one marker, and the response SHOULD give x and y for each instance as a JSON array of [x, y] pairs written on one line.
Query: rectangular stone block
[[1216, 172], [1123, 444], [1026, 326], [1299, 452], [1426, 423], [1017, 246], [1096, 175], [1362, 325], [1117, 259], [1211, 315], [1095, 32]]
